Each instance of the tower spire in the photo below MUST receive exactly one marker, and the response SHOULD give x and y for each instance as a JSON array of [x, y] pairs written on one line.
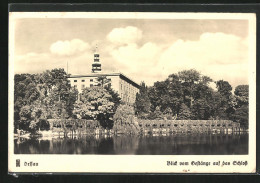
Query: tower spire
[[96, 50], [96, 65]]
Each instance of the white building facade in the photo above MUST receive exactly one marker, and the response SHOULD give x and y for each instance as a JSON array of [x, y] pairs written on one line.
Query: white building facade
[[125, 87]]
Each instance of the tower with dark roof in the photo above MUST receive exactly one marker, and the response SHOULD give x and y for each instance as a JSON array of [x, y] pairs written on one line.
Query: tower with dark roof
[[96, 65]]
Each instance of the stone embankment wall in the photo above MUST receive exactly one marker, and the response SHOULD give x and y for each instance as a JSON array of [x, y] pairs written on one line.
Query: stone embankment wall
[[83, 126], [74, 126], [188, 125]]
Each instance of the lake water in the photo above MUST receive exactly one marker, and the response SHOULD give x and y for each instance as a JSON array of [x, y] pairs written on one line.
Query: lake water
[[171, 144]]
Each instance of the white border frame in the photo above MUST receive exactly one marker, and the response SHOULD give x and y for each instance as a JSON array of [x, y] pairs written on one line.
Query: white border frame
[[134, 163]]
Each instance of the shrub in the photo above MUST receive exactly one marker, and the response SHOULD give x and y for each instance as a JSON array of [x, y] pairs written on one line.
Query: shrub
[[124, 120]]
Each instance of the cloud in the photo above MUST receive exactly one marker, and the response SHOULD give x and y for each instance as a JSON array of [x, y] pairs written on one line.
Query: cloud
[[136, 58], [67, 48], [125, 35], [39, 62], [34, 62], [218, 55]]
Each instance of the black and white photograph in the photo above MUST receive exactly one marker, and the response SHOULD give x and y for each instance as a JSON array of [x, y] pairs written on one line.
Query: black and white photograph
[[136, 90]]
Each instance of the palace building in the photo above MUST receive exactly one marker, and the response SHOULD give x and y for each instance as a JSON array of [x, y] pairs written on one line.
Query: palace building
[[122, 84]]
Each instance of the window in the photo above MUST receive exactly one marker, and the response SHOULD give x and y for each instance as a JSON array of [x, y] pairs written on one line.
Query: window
[[75, 81], [91, 85], [91, 80], [83, 80], [83, 86], [75, 86]]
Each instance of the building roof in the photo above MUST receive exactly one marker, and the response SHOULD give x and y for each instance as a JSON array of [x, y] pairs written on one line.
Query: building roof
[[121, 75]]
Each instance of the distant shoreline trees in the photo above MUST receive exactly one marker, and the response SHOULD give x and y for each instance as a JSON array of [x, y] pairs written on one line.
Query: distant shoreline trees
[[185, 95], [188, 95]]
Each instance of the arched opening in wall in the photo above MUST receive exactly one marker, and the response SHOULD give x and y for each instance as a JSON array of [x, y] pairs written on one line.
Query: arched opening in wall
[[44, 124], [69, 126], [80, 126]]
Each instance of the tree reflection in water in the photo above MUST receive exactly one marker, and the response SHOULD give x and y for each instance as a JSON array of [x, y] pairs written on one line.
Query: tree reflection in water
[[177, 144]]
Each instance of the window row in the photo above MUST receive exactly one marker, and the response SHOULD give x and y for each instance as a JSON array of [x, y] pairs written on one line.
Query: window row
[[82, 86], [91, 80], [83, 80]]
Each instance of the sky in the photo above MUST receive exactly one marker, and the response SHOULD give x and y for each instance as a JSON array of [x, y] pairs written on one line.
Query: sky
[[143, 49]]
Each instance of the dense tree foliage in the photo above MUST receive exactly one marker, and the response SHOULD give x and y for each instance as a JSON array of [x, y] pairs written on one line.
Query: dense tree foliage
[[187, 87], [97, 103], [122, 113], [124, 120], [188, 95], [156, 114], [142, 104], [241, 109], [185, 95], [185, 112], [48, 95], [166, 94], [41, 96]]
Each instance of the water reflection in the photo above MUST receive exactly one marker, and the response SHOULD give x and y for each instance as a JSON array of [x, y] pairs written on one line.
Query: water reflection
[[157, 144]]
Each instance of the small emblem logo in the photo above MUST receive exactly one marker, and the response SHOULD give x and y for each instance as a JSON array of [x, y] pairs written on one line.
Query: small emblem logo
[[18, 163]]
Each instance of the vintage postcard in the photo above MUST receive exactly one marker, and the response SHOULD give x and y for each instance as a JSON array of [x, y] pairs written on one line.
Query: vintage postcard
[[129, 92]]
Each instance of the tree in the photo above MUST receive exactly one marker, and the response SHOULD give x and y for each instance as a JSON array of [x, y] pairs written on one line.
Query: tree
[[124, 120], [122, 114], [185, 112], [167, 94], [215, 103], [25, 117], [103, 81], [30, 116], [25, 94], [95, 103], [114, 97], [201, 110], [56, 92], [187, 87], [189, 79], [227, 100], [142, 102], [241, 110], [48, 94], [241, 94], [168, 113], [241, 115], [224, 88], [157, 114]]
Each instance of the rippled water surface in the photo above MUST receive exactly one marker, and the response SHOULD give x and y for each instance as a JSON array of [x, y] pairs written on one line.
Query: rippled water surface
[[177, 144]]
